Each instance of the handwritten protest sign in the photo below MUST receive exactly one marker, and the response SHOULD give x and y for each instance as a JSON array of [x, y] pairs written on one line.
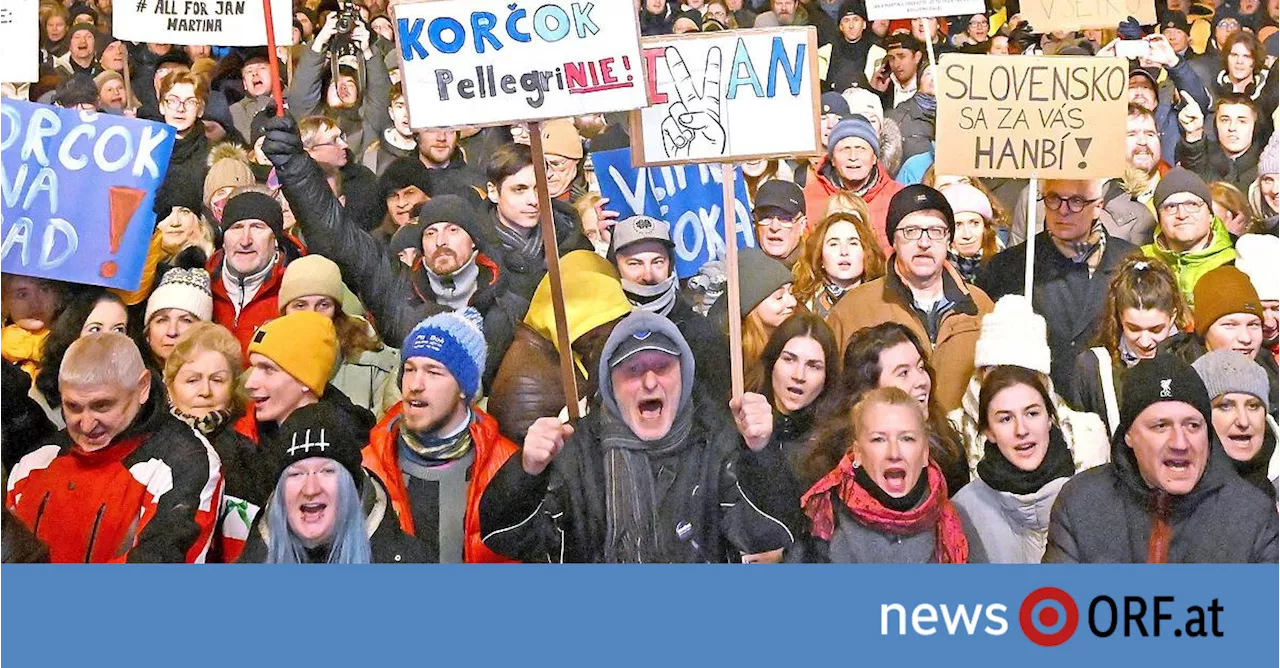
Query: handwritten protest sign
[[1020, 116], [735, 95], [77, 190], [911, 9], [19, 33], [221, 22], [687, 196], [1050, 15], [487, 62]]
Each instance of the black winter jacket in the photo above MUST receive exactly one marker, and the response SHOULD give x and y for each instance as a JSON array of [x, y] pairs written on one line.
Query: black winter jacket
[[723, 494], [184, 182], [525, 272]]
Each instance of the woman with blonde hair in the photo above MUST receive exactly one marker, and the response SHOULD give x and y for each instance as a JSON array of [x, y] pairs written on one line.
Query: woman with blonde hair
[[839, 254], [1232, 206]]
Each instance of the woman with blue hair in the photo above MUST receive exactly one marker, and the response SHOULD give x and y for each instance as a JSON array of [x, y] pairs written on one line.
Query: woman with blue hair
[[325, 507]]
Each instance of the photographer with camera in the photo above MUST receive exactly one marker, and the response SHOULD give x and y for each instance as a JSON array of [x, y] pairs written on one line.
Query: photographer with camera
[[358, 87]]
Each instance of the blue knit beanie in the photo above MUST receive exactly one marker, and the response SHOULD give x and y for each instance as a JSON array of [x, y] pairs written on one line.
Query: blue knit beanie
[[858, 126], [454, 339]]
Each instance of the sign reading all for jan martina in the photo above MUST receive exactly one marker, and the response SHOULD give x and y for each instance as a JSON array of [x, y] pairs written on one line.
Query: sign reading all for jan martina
[[220, 22]]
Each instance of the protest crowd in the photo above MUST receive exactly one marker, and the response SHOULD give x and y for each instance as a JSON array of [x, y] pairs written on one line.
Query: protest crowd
[[345, 346]]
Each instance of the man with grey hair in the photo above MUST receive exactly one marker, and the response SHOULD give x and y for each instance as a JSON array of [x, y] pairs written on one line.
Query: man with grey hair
[[1075, 258], [125, 481]]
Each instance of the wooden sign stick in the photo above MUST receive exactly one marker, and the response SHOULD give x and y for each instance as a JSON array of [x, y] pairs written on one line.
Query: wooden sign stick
[[551, 248], [731, 276], [272, 59], [928, 44], [1032, 186]]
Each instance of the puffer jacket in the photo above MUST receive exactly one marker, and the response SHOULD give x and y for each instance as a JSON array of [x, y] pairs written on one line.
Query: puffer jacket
[[382, 459], [263, 306], [560, 516], [886, 299], [822, 186], [1104, 515], [1013, 528], [1190, 266], [1085, 433], [528, 385]]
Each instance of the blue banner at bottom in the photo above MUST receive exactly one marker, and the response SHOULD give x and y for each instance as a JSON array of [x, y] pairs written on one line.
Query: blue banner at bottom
[[653, 615]]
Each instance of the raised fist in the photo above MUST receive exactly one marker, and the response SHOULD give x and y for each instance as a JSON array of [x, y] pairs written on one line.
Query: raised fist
[[543, 441], [754, 417]]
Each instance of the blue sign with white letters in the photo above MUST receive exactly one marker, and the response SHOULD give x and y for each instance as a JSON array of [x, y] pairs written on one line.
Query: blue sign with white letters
[[689, 197], [78, 189]]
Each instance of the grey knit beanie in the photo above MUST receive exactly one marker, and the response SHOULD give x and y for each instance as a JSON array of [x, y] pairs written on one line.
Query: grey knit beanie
[[1269, 161], [1228, 371]]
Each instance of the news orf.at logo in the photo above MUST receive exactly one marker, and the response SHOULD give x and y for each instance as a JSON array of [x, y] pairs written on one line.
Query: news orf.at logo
[[1048, 616]]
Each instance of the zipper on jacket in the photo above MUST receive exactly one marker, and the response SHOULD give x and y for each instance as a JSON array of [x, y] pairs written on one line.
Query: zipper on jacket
[[35, 529], [93, 535]]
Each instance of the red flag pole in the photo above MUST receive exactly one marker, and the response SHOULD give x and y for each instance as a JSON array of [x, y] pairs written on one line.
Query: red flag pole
[[272, 59]]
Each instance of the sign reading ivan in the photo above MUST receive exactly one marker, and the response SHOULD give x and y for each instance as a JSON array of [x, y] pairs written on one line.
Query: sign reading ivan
[[221, 22], [488, 62], [731, 95], [1021, 116], [78, 189]]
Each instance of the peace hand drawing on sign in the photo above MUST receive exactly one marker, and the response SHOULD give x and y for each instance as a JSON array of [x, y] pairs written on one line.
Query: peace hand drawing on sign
[[692, 125]]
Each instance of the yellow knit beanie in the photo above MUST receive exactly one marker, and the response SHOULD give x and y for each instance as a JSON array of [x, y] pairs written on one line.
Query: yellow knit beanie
[[303, 344]]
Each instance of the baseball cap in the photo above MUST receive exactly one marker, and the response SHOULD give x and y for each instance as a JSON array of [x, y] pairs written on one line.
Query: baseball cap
[[903, 40], [834, 103], [639, 228], [784, 196], [641, 341], [1148, 72]]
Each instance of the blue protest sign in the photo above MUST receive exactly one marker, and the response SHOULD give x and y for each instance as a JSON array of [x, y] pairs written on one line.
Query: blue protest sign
[[690, 197], [78, 191]]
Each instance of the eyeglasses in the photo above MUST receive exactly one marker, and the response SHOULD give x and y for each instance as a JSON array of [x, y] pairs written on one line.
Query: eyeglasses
[[1074, 204], [339, 142], [784, 223], [1186, 208], [175, 103], [914, 233], [560, 164]]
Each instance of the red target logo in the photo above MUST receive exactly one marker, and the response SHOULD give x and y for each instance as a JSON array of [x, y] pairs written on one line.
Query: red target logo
[[1048, 616]]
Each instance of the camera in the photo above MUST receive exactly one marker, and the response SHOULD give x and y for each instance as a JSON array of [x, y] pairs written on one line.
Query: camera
[[347, 17]]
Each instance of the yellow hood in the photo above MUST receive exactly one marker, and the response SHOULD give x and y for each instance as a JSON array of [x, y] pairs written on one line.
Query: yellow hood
[[592, 297]]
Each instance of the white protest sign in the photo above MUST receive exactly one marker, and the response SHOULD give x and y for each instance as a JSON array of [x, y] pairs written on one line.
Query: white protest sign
[[1051, 15], [731, 95], [913, 9], [20, 35], [216, 22], [1020, 116], [490, 62]]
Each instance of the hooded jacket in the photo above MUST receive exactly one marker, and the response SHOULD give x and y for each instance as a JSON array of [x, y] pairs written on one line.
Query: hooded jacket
[[715, 487], [151, 496], [528, 385], [819, 190], [1104, 515], [1189, 266], [1013, 528]]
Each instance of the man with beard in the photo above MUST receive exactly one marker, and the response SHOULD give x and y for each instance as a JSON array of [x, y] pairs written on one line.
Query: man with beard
[[854, 51], [397, 141], [1144, 87], [362, 115], [1233, 157], [1128, 198], [255, 73]]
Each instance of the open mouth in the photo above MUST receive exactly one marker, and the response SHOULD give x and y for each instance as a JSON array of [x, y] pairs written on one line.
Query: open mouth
[[416, 404], [650, 409], [796, 390], [1024, 449], [1177, 465], [312, 512], [895, 480]]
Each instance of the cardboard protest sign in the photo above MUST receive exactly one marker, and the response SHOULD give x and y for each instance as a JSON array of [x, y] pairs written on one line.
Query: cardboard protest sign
[[1020, 116], [1051, 15], [490, 62], [221, 22], [78, 189], [912, 9], [20, 35], [690, 197], [730, 95]]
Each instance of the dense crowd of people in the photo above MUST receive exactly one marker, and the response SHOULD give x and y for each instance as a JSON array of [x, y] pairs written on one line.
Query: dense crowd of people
[[344, 347]]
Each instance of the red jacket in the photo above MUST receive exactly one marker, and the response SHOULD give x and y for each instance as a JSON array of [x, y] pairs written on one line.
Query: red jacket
[[818, 192], [261, 308], [381, 458], [152, 496]]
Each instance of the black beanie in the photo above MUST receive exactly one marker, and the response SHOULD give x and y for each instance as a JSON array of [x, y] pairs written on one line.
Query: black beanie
[[450, 209], [320, 430], [402, 173], [1181, 180], [254, 205], [408, 236], [913, 198], [1164, 377]]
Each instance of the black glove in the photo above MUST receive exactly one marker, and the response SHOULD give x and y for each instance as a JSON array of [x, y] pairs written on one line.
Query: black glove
[[1130, 29], [281, 140]]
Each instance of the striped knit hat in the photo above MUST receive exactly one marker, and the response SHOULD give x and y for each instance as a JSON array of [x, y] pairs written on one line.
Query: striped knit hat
[[184, 289], [454, 339]]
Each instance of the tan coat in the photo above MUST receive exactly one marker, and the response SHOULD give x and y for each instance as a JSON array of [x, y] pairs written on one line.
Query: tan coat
[[887, 300]]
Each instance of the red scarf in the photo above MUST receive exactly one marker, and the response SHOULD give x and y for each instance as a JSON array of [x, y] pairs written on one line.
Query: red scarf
[[951, 545]]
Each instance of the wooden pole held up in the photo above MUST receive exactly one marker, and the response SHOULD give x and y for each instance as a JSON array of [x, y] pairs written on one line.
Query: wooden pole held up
[[731, 276]]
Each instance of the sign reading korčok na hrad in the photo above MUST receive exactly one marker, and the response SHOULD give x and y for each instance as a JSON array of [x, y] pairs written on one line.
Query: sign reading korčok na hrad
[[488, 62], [78, 193]]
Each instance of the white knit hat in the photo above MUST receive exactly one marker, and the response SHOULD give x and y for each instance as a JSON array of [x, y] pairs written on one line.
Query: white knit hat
[[185, 289], [1257, 258], [1013, 335]]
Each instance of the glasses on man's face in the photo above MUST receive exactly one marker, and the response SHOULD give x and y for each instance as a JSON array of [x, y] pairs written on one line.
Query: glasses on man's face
[[1187, 208], [1075, 203], [777, 221], [339, 142], [914, 233], [176, 103], [559, 164]]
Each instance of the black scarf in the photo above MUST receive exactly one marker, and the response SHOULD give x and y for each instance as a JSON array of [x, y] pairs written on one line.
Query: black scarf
[[1254, 471], [1001, 475], [896, 504]]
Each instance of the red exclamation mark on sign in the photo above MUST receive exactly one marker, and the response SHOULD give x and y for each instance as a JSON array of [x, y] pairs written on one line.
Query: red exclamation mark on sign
[[124, 203], [626, 65]]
